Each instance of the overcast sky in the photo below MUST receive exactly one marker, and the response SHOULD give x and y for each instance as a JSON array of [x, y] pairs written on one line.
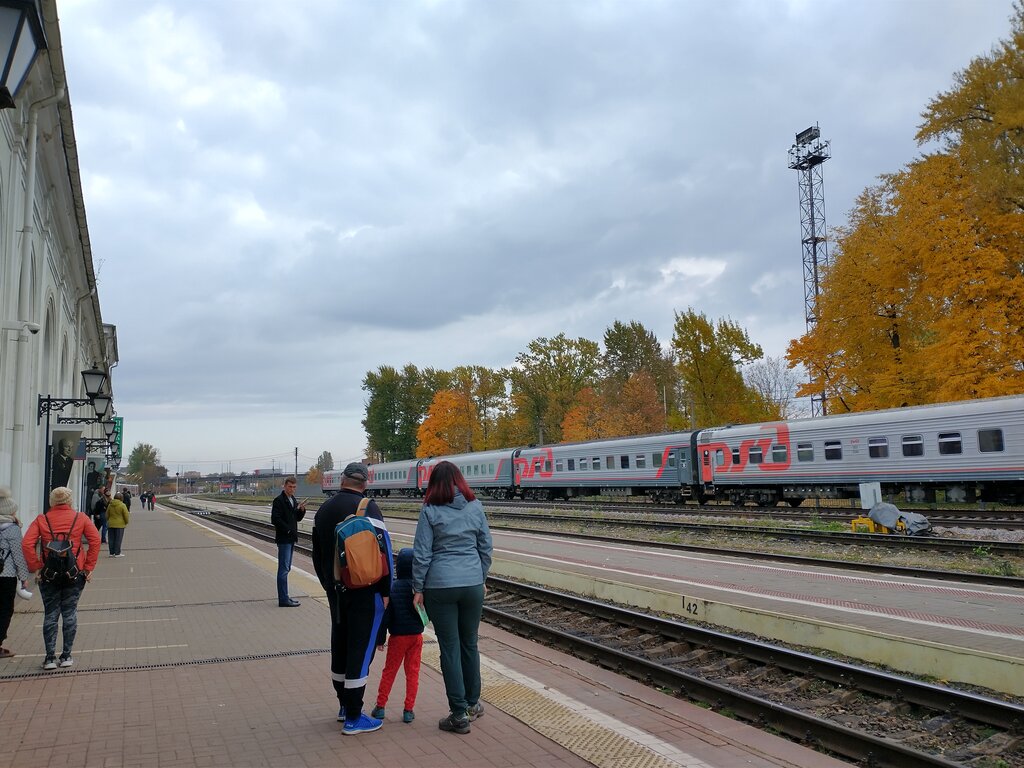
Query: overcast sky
[[282, 196]]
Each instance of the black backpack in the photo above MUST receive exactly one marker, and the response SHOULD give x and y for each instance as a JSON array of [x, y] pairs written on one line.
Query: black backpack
[[60, 563]]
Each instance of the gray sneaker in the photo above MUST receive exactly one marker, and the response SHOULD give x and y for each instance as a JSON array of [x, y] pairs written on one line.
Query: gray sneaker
[[66, 661], [50, 663], [477, 710]]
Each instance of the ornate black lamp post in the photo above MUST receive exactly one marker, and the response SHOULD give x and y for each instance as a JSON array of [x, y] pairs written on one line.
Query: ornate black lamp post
[[94, 379], [21, 39]]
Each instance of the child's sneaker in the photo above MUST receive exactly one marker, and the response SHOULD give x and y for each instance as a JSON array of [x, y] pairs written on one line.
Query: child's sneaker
[[455, 723], [477, 710], [378, 712], [49, 663], [408, 716], [364, 724]]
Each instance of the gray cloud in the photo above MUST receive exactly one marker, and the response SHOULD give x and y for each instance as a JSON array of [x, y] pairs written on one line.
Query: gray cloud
[[281, 201]]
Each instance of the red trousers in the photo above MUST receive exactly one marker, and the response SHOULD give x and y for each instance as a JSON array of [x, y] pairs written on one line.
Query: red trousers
[[407, 648]]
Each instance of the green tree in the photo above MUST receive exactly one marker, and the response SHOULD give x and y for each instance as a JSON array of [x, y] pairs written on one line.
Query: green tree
[[487, 391], [550, 375], [144, 464], [326, 462], [630, 349], [397, 403], [710, 356]]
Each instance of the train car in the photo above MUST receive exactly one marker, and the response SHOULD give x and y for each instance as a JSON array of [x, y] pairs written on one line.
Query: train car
[[392, 478], [395, 478], [968, 450], [488, 473], [659, 466]]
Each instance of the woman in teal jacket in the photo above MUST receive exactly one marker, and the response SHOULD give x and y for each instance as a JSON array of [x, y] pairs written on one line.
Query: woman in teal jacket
[[451, 558]]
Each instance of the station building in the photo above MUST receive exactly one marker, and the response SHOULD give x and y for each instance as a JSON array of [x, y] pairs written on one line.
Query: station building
[[52, 326]]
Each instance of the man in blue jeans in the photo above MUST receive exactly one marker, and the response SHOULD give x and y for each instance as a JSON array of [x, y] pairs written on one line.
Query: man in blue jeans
[[285, 515]]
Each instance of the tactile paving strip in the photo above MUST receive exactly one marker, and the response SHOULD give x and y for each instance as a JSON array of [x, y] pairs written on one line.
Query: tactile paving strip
[[584, 731]]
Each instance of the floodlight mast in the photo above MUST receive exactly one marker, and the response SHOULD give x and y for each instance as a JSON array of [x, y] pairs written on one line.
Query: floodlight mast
[[806, 156]]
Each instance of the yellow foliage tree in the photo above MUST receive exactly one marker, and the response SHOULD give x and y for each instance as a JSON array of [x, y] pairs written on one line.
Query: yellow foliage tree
[[639, 410], [585, 419], [449, 426], [314, 476]]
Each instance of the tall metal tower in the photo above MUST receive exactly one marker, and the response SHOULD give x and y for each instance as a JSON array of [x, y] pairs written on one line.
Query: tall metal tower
[[806, 156]]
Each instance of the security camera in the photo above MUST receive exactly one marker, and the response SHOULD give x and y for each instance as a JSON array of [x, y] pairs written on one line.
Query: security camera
[[20, 325]]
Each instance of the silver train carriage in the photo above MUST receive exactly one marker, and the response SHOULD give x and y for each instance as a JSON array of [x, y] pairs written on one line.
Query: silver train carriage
[[968, 450], [658, 466]]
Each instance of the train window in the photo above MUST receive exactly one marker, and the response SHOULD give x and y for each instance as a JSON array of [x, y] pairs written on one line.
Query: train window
[[833, 450], [490, 469], [672, 460], [559, 466], [755, 455], [655, 459], [990, 440], [641, 461], [878, 447], [779, 454], [584, 465], [476, 470], [804, 452], [719, 457], [913, 445], [595, 463], [735, 455], [572, 464], [609, 462], [547, 465], [950, 443], [623, 462]]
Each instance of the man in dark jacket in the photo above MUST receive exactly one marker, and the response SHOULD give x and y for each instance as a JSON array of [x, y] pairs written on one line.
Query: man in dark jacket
[[285, 515], [356, 614]]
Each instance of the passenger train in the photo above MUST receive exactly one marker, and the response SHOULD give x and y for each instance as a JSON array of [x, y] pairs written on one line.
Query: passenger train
[[969, 451]]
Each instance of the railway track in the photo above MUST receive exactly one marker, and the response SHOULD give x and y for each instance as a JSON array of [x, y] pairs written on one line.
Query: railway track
[[860, 713], [957, 545]]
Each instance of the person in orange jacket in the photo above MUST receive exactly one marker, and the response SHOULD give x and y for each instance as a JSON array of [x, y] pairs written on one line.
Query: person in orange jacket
[[60, 601]]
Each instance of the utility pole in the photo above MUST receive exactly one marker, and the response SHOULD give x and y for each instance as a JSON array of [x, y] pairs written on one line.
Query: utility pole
[[296, 462]]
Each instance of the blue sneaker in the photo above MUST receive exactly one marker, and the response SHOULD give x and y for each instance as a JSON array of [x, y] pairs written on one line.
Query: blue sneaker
[[364, 724], [341, 715], [408, 716]]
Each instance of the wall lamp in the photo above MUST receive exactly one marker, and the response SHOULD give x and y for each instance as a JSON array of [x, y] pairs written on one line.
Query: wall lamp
[[21, 39], [94, 379]]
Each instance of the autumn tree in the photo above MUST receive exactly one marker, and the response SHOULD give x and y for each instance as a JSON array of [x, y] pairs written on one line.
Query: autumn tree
[[548, 377], [639, 410], [449, 426], [630, 349], [709, 357], [314, 475], [486, 390], [585, 420]]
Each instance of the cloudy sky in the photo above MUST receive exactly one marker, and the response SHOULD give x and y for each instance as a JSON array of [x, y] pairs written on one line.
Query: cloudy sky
[[282, 196]]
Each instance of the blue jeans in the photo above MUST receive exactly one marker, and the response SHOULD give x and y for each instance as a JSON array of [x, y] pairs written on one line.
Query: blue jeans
[[60, 603], [284, 564]]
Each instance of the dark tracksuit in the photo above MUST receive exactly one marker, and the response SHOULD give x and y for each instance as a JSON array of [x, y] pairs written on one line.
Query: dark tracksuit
[[356, 614]]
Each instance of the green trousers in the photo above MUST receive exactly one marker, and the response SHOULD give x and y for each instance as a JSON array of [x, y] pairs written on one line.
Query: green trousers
[[455, 613]]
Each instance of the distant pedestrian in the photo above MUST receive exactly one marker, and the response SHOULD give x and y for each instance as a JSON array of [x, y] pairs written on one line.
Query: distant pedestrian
[[126, 497], [117, 521], [60, 596], [405, 642], [13, 569], [285, 514], [451, 559], [152, 498], [98, 511], [356, 614]]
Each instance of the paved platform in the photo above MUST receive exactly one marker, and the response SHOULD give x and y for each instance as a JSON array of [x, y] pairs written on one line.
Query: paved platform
[[183, 658]]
